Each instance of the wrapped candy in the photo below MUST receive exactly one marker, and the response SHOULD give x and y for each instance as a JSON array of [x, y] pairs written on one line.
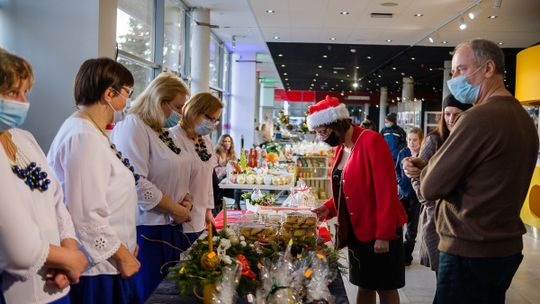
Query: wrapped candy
[[226, 289], [317, 288], [300, 197]]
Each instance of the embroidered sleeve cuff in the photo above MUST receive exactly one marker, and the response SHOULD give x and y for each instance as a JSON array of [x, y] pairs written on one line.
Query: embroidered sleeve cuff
[[148, 195], [99, 243]]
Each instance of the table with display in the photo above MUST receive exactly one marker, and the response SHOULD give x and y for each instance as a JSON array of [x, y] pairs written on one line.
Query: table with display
[[167, 293]]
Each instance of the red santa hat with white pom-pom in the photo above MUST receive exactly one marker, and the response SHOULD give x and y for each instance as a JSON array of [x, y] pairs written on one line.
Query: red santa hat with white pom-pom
[[326, 112]]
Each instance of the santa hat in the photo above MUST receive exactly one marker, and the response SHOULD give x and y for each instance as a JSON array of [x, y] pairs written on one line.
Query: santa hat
[[326, 112]]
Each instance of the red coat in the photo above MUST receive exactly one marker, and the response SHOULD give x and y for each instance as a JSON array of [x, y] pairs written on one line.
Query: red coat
[[370, 188]]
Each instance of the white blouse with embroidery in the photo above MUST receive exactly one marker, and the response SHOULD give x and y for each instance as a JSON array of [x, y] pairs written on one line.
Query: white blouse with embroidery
[[161, 170], [47, 213], [200, 185], [99, 192]]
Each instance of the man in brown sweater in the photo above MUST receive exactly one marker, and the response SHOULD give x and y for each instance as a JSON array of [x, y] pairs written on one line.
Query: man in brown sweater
[[480, 176]]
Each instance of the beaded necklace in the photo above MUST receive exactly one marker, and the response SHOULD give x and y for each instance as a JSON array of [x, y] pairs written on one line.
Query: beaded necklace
[[200, 148], [32, 174], [166, 139], [124, 160]]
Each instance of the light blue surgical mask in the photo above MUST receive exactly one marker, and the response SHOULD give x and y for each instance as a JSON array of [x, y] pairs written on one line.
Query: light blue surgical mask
[[387, 124], [12, 113], [173, 119], [462, 90], [204, 128]]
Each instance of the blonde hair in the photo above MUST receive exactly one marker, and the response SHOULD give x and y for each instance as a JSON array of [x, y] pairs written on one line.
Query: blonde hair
[[13, 70], [163, 89], [231, 154], [418, 132], [200, 104]]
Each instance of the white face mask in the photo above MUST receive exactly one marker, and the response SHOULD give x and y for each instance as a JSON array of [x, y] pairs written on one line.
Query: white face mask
[[118, 115]]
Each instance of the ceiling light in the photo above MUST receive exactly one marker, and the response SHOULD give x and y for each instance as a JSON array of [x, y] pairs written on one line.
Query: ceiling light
[[353, 51], [335, 72], [462, 24], [412, 58], [280, 55], [344, 13], [285, 74], [418, 15], [368, 57], [317, 75], [286, 79], [276, 37], [355, 85], [430, 69], [315, 80], [389, 4], [500, 43], [394, 68], [388, 40], [270, 11], [324, 56], [320, 66], [431, 39], [348, 75], [492, 17], [402, 74], [282, 65], [444, 42], [333, 39], [341, 80], [357, 67], [472, 15]]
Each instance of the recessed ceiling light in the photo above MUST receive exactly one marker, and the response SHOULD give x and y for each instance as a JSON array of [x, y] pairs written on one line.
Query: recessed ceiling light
[[335, 72], [431, 40], [430, 69], [397, 82], [341, 80], [418, 15], [492, 17], [444, 42], [276, 37], [286, 79], [280, 55], [344, 13], [320, 66], [368, 57], [402, 74], [270, 11], [282, 65], [389, 4], [394, 68], [357, 67], [388, 40], [317, 75], [333, 39], [353, 51], [314, 79], [500, 43], [412, 58], [348, 75], [285, 74], [325, 56]]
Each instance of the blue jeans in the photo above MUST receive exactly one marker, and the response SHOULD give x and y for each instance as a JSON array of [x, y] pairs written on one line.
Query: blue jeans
[[475, 280]]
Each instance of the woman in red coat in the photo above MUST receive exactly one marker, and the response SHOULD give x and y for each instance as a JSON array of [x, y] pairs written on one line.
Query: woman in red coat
[[370, 215]]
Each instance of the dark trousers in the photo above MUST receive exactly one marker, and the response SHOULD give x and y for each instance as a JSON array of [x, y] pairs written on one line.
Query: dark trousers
[[475, 280], [412, 207]]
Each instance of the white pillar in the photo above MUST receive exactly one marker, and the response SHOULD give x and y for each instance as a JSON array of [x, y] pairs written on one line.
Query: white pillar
[[200, 52], [383, 104], [447, 74], [407, 93], [243, 96], [366, 109]]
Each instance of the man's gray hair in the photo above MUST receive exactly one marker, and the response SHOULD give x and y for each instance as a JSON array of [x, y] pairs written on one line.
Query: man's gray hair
[[484, 50]]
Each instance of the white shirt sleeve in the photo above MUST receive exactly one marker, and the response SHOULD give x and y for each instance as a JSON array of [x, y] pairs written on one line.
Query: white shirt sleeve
[[86, 176], [131, 138], [23, 250]]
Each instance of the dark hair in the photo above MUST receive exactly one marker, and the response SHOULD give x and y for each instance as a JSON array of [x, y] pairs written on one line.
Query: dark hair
[[340, 127], [96, 75], [484, 50], [442, 129]]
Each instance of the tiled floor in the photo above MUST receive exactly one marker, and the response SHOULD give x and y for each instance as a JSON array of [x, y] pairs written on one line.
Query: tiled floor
[[420, 281]]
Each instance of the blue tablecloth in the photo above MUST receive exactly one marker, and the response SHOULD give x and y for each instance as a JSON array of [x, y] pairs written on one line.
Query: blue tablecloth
[[166, 293]]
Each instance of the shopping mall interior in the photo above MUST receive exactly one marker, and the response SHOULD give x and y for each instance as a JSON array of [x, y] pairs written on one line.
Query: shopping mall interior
[[269, 60]]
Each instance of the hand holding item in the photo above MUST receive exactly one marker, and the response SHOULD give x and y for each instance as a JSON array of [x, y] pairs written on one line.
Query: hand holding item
[[322, 212], [187, 202], [209, 217], [57, 278], [75, 263], [381, 246], [413, 166]]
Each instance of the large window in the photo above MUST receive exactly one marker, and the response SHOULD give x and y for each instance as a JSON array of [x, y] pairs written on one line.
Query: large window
[[174, 37], [135, 37], [215, 62]]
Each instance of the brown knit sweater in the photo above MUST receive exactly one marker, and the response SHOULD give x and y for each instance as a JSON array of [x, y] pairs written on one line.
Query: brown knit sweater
[[481, 174]]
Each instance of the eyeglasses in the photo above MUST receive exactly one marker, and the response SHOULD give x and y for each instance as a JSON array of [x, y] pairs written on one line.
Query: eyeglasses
[[323, 133], [213, 120], [128, 90]]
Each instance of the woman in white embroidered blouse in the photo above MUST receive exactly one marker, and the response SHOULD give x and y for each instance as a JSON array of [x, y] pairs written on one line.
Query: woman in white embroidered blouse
[[99, 185], [164, 170], [38, 248], [200, 116]]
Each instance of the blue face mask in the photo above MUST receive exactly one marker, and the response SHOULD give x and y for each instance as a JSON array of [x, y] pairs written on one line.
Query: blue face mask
[[173, 119], [12, 113], [462, 90], [204, 128]]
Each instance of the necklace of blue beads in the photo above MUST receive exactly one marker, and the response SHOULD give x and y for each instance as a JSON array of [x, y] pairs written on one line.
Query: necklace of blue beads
[[118, 154], [29, 171]]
